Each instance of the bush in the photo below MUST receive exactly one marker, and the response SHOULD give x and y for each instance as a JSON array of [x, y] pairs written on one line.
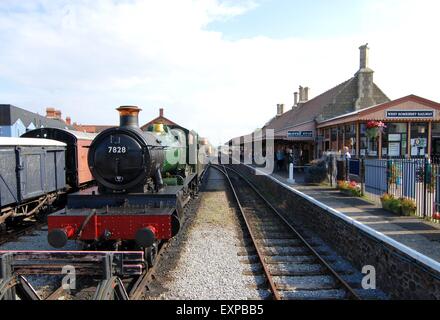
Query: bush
[[395, 206], [351, 186], [404, 206], [316, 173], [343, 185], [386, 197], [408, 204]]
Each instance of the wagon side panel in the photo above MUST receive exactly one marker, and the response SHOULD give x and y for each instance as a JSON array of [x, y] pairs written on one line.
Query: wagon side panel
[[8, 177]]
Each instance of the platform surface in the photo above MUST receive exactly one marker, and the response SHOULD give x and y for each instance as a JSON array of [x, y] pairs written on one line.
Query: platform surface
[[416, 233]]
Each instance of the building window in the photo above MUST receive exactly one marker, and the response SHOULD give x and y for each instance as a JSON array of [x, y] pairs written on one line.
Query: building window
[[334, 139], [419, 139], [394, 140], [435, 139], [368, 146], [350, 138]]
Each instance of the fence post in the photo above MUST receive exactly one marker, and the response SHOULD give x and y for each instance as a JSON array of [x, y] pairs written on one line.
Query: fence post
[[389, 173], [427, 182], [362, 175]]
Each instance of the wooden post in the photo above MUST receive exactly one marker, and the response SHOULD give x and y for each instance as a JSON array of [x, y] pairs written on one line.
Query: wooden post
[[408, 143], [337, 139], [429, 138], [358, 139], [379, 146]]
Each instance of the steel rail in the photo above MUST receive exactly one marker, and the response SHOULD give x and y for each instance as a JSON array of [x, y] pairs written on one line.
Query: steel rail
[[344, 284], [142, 282], [269, 278]]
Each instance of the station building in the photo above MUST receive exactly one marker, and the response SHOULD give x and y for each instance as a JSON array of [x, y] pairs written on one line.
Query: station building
[[342, 116], [297, 128], [411, 128]]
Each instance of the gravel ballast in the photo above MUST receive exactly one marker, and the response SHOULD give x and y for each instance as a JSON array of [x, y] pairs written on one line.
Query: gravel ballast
[[208, 266]]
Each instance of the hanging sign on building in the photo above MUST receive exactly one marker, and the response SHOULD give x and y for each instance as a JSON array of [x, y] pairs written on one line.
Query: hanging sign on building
[[419, 142], [299, 134], [410, 114]]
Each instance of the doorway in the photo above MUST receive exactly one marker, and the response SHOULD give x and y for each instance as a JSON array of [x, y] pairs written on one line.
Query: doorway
[[435, 147]]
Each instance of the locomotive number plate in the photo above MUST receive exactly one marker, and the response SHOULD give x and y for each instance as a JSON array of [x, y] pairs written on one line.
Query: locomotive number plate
[[117, 150]]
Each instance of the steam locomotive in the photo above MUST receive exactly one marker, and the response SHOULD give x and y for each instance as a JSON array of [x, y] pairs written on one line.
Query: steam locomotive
[[144, 180]]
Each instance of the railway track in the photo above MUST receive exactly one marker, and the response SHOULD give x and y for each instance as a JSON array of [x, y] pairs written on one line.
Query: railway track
[[100, 275], [20, 231], [293, 268]]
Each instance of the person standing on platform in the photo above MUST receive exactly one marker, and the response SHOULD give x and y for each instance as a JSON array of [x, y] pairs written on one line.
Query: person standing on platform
[[280, 156], [347, 155]]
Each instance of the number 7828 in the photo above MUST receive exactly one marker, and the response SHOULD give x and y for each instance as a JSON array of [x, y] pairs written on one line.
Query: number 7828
[[117, 149]]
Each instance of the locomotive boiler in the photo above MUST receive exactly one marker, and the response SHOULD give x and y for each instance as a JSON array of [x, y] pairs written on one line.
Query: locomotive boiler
[[144, 180], [126, 159]]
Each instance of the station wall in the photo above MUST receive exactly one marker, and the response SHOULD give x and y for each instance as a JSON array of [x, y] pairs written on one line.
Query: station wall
[[399, 274]]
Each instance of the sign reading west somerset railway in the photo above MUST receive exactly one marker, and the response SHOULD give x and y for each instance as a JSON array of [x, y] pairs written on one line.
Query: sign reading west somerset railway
[[299, 134], [410, 114]]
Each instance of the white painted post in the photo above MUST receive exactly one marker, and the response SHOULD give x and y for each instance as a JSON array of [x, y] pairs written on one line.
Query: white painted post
[[291, 180]]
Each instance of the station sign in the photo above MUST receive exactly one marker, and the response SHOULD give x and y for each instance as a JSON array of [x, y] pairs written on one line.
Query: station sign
[[410, 114], [299, 134]]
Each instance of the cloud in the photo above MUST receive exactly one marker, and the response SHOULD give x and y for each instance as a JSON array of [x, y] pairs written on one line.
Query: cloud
[[88, 57]]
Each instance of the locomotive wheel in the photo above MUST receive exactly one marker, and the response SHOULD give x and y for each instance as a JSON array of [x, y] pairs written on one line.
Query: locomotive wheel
[[151, 254]]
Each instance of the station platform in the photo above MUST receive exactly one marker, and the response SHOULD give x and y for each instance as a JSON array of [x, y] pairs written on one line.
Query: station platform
[[418, 234]]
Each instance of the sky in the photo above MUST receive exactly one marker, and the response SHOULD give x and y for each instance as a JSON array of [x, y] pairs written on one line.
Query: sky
[[217, 67]]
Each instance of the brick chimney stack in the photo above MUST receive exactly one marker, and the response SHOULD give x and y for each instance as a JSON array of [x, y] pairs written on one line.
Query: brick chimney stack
[[303, 94], [295, 102], [50, 113], [306, 94], [161, 112], [280, 110]]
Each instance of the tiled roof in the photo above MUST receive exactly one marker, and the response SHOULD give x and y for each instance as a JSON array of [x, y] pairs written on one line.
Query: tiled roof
[[9, 114], [336, 101], [305, 112]]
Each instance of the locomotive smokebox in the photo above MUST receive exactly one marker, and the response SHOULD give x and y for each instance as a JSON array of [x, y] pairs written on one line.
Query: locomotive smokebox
[[123, 159], [129, 116]]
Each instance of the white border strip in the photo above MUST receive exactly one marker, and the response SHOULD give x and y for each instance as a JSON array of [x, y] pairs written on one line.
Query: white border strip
[[405, 249]]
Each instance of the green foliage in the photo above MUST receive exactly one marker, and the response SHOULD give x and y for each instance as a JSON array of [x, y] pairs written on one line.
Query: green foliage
[[395, 206], [406, 206], [408, 203]]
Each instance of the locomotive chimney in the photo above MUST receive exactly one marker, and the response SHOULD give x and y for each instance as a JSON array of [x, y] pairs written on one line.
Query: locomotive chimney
[[129, 116]]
